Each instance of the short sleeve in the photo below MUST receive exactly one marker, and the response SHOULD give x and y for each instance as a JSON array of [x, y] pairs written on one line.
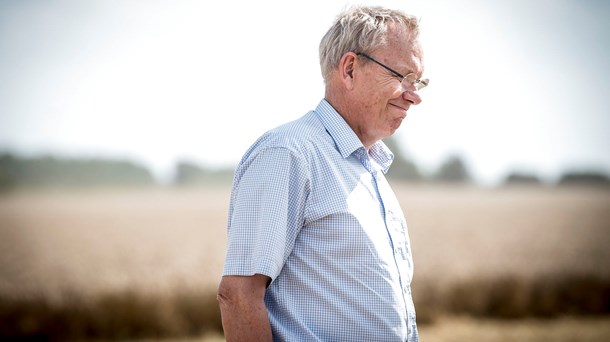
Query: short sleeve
[[266, 212]]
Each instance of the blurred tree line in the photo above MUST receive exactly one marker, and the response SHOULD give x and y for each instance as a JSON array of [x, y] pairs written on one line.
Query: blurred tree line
[[189, 173], [455, 170], [49, 171]]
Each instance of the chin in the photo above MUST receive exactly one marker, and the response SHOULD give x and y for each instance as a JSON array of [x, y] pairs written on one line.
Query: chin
[[396, 126], [391, 132]]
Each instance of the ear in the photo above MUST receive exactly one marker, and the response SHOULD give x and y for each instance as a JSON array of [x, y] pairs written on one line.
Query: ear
[[346, 69]]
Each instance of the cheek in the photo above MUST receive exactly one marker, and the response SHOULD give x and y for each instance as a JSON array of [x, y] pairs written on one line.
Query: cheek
[[374, 101], [371, 104], [387, 93]]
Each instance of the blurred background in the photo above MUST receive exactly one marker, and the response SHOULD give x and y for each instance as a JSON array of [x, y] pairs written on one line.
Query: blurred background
[[121, 123]]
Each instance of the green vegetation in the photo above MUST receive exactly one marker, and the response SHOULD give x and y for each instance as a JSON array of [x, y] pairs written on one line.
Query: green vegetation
[[522, 178], [49, 171], [188, 173], [584, 177], [453, 170], [402, 169]]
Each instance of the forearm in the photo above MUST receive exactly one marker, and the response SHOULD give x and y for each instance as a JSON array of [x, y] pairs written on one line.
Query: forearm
[[245, 321], [242, 306]]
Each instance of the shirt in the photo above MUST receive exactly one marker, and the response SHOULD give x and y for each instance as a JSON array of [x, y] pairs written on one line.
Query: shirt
[[311, 209]]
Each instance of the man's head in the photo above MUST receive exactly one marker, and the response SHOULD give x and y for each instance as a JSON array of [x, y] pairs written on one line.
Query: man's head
[[364, 57]]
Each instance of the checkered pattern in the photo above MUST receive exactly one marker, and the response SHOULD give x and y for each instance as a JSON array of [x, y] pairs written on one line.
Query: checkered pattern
[[311, 209]]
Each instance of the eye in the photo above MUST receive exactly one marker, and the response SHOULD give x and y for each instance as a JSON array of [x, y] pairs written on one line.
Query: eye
[[411, 78]]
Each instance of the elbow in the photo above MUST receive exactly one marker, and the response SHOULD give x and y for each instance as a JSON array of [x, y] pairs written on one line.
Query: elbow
[[235, 291], [224, 296]]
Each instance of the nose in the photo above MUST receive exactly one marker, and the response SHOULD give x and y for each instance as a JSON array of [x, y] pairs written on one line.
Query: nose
[[411, 95]]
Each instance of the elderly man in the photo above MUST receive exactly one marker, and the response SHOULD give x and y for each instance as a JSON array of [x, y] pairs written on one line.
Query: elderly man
[[318, 248]]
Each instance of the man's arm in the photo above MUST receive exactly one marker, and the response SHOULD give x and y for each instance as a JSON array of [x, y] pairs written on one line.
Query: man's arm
[[242, 306]]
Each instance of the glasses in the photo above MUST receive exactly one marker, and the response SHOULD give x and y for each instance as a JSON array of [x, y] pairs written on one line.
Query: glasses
[[411, 78]]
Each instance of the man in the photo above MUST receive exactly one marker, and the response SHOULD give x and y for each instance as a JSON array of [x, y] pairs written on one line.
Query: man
[[318, 248]]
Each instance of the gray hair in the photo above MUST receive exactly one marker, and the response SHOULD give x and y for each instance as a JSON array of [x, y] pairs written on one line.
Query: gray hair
[[361, 29]]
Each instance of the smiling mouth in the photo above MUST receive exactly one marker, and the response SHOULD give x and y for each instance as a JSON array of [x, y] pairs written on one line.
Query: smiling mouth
[[399, 107]]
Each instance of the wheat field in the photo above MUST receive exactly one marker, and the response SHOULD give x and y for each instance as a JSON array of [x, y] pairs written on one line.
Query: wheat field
[[137, 263]]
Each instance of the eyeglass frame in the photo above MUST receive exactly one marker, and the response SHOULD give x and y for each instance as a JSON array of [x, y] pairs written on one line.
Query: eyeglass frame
[[418, 83]]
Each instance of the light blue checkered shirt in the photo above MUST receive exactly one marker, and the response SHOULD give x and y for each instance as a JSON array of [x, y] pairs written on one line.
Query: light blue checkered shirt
[[311, 209]]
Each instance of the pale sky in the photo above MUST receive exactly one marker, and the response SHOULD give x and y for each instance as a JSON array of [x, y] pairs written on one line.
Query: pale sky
[[514, 84]]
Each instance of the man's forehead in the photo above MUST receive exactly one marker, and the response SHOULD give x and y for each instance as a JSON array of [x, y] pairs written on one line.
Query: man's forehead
[[410, 52], [413, 63], [407, 55], [399, 32]]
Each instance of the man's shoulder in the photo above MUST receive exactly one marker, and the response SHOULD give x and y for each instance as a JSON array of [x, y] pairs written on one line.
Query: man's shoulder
[[296, 134], [303, 138]]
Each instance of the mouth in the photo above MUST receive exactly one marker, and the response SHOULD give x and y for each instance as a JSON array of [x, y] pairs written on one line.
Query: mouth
[[399, 107], [402, 110]]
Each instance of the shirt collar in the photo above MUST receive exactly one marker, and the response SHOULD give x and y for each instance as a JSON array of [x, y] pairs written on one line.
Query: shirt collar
[[346, 140], [382, 155]]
